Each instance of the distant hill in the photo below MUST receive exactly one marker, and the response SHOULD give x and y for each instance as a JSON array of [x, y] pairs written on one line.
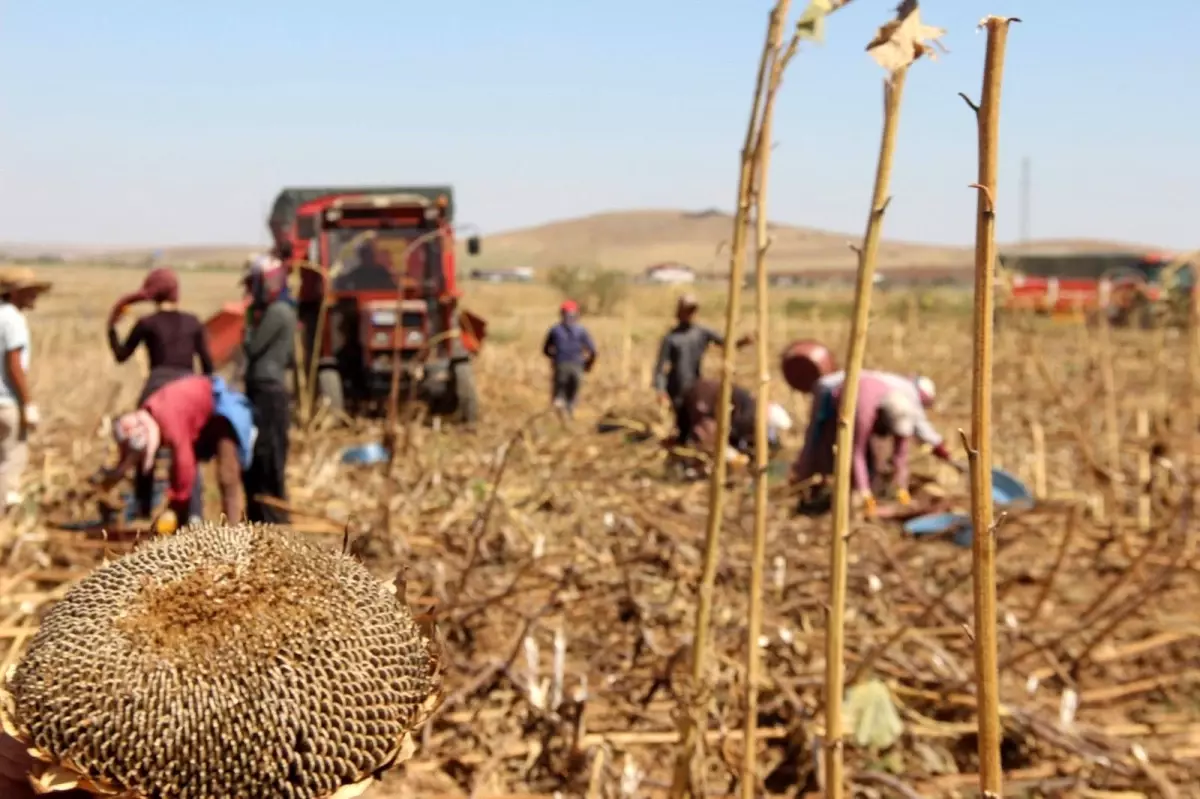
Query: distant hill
[[628, 241], [632, 240]]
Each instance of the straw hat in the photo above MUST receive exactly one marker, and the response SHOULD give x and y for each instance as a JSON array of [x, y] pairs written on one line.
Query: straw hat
[[16, 278]]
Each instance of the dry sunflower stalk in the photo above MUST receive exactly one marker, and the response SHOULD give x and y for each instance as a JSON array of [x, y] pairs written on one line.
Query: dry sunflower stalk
[[225, 661]]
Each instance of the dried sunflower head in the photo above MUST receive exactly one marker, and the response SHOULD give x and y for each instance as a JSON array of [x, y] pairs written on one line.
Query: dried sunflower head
[[225, 661]]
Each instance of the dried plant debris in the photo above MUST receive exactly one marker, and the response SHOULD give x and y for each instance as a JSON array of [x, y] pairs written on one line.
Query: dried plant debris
[[905, 39], [223, 661], [811, 24], [516, 537]]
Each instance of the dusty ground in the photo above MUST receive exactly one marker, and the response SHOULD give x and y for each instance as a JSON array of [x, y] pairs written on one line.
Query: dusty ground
[[527, 532]]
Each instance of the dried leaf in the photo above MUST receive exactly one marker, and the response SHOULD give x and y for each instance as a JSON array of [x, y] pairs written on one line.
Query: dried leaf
[[905, 39], [871, 713], [811, 24]]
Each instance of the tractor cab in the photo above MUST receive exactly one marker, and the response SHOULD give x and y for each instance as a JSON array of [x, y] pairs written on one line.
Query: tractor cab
[[379, 296]]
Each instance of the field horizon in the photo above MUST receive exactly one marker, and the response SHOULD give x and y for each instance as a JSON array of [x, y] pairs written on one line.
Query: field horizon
[[624, 240]]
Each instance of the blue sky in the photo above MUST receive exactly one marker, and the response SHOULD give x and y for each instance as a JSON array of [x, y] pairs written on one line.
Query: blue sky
[[143, 122]]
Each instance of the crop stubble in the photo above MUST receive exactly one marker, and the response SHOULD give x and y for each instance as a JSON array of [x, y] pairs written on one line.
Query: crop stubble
[[583, 536]]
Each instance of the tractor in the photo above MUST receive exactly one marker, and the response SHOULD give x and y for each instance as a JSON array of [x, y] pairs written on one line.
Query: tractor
[[372, 270]]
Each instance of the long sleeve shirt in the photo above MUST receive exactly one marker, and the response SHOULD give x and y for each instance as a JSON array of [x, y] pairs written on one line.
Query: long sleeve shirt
[[173, 339], [888, 404], [271, 345], [182, 408], [679, 358], [568, 342]]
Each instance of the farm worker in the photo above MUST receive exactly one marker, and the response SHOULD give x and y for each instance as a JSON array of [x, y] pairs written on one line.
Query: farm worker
[[270, 349], [175, 340], [572, 352], [679, 358], [19, 290], [888, 405], [700, 402], [198, 419]]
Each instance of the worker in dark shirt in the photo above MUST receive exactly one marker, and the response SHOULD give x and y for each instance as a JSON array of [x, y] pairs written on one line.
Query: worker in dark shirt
[[571, 352], [700, 402], [679, 358], [174, 339], [270, 354]]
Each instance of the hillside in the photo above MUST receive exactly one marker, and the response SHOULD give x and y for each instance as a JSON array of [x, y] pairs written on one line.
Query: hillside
[[632, 240], [627, 241]]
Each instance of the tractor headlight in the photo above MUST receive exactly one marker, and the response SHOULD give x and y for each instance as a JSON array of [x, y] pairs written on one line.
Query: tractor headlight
[[383, 318]]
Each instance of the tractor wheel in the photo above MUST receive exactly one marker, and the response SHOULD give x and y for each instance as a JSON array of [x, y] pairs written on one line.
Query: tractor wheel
[[466, 398], [329, 388]]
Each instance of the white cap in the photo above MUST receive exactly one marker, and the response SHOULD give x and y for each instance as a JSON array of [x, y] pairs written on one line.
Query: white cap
[[778, 418], [926, 389]]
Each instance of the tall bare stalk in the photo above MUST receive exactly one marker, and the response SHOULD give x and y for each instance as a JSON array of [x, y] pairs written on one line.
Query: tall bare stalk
[[987, 671], [758, 557], [692, 722], [896, 46]]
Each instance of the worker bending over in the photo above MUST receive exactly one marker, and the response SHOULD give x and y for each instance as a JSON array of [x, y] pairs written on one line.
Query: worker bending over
[[572, 352], [889, 405], [198, 419], [270, 349], [680, 356], [700, 406]]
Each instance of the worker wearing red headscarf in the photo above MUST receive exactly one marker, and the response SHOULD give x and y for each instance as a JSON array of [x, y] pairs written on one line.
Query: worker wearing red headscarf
[[174, 339], [572, 352]]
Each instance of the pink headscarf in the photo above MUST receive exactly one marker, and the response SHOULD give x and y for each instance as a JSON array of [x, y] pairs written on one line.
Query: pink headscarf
[[138, 432]]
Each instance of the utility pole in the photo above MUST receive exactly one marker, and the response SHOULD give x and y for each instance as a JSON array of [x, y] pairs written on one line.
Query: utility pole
[[1026, 188]]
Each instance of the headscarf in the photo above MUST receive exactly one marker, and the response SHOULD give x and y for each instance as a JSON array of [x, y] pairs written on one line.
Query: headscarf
[[138, 432], [265, 278], [926, 390], [160, 285]]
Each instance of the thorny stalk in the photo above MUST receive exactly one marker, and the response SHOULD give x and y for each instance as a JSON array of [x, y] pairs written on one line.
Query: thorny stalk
[[835, 664], [754, 621], [692, 721], [983, 547]]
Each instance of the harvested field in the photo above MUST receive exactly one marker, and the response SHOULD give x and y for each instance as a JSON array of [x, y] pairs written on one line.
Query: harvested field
[[564, 564]]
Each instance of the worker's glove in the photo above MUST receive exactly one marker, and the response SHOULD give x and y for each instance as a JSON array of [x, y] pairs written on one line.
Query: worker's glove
[[903, 497], [30, 417], [167, 523], [868, 504]]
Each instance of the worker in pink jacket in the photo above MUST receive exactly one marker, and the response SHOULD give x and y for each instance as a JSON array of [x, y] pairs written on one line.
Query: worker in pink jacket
[[888, 405]]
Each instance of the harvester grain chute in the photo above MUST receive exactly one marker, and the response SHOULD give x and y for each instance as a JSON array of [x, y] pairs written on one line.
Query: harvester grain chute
[[378, 299]]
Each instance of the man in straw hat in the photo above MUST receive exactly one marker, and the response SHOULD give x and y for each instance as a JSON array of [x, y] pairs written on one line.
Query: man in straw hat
[[679, 358], [19, 290]]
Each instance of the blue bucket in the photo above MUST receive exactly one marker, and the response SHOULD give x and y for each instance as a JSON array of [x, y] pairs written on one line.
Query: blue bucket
[[1008, 493]]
